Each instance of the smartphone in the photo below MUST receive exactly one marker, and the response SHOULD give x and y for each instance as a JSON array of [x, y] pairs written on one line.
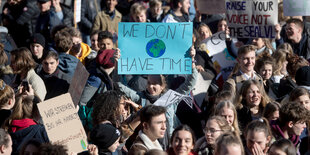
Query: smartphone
[[25, 85]]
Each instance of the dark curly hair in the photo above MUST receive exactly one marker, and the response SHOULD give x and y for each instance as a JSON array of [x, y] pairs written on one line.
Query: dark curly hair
[[106, 108]]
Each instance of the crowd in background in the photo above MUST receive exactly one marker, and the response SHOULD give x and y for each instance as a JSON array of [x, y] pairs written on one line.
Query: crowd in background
[[259, 106]]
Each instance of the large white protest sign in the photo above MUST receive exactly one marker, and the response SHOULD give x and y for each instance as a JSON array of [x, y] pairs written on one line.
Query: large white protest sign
[[173, 97], [216, 47], [62, 123], [252, 18], [296, 7], [211, 6]]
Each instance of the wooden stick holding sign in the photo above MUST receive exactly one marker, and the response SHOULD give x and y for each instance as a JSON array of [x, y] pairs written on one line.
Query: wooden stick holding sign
[[62, 123]]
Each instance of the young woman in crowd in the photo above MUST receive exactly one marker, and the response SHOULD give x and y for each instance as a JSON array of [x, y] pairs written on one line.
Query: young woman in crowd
[[229, 144], [264, 66], [301, 95], [7, 101], [258, 137], [216, 126], [282, 147], [23, 66], [281, 56], [271, 111], [203, 32], [250, 102], [182, 141], [21, 124], [227, 110], [263, 46]]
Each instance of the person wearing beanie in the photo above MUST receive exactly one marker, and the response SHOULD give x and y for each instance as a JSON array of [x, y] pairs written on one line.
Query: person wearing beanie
[[37, 45], [100, 71], [106, 137]]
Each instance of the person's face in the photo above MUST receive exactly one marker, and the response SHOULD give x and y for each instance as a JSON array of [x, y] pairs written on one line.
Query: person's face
[[298, 128], [212, 131], [266, 71], [7, 150], [253, 96], [141, 17], [94, 42], [76, 40], [204, 33], [45, 6], [37, 50], [232, 149], [304, 100], [123, 110], [153, 85], [275, 115], [258, 42], [256, 138], [156, 128], [114, 146], [105, 44], [293, 31], [49, 65], [182, 142], [12, 102], [185, 6], [276, 151], [111, 4], [221, 26], [247, 62], [31, 150], [156, 9], [228, 114]]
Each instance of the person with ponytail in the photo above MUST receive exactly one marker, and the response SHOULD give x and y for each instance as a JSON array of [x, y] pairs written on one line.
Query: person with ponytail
[[258, 137]]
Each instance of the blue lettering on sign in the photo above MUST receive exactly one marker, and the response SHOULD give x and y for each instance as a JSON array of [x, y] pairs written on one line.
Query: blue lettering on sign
[[237, 5]]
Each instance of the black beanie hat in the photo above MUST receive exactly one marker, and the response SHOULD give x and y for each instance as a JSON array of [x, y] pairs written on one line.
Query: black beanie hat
[[104, 135], [38, 38], [302, 76]]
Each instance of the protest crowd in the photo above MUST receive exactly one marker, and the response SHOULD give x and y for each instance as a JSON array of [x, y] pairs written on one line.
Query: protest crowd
[[250, 97]]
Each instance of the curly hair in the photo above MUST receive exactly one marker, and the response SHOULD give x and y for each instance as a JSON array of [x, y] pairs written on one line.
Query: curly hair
[[294, 63], [63, 41], [264, 59], [106, 108], [294, 112]]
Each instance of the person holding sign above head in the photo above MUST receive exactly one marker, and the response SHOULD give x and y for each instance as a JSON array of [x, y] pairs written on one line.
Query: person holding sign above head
[[244, 69], [179, 12], [157, 86]]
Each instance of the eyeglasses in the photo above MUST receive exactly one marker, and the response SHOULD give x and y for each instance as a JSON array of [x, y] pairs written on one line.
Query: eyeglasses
[[212, 131]]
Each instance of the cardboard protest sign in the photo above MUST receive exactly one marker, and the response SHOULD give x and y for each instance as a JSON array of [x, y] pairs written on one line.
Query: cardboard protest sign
[[211, 6], [62, 123], [78, 82], [201, 88], [155, 48], [221, 58], [296, 7], [252, 18], [173, 97]]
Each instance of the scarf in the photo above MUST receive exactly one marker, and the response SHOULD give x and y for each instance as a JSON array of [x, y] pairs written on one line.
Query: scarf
[[150, 97], [21, 124], [148, 143]]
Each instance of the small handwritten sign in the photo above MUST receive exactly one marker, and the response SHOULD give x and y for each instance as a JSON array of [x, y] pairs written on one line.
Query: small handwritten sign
[[62, 123]]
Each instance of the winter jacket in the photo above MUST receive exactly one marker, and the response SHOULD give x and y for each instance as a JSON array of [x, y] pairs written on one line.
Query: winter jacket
[[37, 84], [67, 64], [89, 10], [104, 22], [86, 50]]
